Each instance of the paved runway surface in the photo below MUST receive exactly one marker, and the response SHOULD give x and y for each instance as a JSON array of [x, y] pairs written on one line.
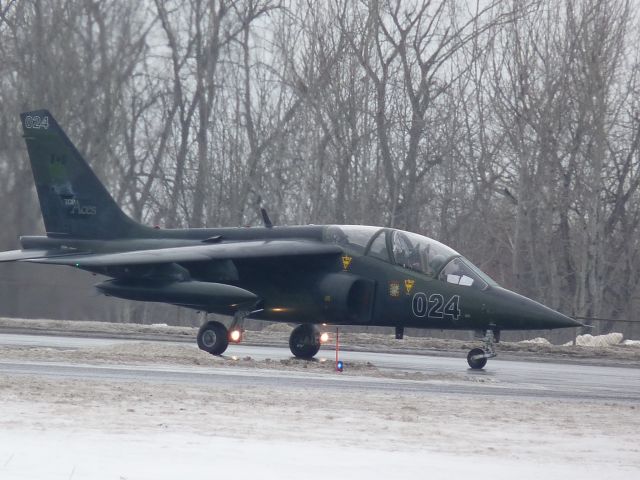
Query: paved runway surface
[[442, 375]]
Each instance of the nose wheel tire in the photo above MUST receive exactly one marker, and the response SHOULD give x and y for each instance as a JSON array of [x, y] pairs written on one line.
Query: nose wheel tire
[[213, 338], [474, 362], [304, 341]]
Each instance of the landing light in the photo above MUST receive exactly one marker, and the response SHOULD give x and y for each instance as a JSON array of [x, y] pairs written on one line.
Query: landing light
[[235, 335], [324, 337]]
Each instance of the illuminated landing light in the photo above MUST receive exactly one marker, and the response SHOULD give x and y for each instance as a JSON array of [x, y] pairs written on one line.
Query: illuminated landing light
[[278, 309], [235, 336], [324, 337]]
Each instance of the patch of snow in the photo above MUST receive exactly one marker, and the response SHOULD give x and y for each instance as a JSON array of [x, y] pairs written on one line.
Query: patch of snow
[[589, 340], [537, 341], [635, 343], [278, 328]]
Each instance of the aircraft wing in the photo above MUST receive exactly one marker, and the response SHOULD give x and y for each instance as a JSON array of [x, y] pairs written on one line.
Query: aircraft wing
[[25, 255], [195, 253]]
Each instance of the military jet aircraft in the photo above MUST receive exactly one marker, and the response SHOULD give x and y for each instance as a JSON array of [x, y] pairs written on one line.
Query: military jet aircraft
[[309, 275]]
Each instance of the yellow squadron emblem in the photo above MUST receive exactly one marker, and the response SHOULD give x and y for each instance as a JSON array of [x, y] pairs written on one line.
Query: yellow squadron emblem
[[408, 285], [346, 261]]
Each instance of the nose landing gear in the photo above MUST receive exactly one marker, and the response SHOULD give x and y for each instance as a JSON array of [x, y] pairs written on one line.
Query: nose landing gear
[[477, 357]]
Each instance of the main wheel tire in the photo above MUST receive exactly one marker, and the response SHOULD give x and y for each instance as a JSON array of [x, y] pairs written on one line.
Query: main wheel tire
[[213, 338], [304, 341], [478, 363]]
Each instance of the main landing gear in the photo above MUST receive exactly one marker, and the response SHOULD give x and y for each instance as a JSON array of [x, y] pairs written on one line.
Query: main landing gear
[[304, 341], [214, 337], [477, 357]]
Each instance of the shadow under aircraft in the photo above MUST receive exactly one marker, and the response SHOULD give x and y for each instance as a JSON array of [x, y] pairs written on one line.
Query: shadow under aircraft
[[307, 275]]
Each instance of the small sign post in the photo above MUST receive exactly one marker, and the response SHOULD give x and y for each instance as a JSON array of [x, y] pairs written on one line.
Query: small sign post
[[339, 364]]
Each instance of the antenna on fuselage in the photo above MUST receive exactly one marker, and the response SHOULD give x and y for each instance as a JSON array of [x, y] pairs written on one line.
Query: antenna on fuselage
[[263, 211], [265, 218]]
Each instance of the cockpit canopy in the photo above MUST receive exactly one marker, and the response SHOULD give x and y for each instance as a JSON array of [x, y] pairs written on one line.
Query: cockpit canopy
[[461, 271], [409, 250]]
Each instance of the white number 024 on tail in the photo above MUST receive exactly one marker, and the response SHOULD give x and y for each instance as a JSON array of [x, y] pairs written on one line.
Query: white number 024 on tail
[[36, 122]]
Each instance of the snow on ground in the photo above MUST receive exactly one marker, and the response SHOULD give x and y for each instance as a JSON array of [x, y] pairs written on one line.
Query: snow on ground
[[80, 326], [537, 341], [589, 340], [170, 456], [163, 353], [71, 428], [85, 429], [278, 334]]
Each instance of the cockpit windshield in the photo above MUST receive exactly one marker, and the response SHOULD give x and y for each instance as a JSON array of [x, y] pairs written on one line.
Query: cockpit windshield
[[461, 271], [419, 253], [406, 249], [354, 237]]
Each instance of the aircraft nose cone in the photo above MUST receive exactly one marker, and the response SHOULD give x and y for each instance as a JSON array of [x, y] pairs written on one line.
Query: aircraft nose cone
[[522, 312], [554, 319]]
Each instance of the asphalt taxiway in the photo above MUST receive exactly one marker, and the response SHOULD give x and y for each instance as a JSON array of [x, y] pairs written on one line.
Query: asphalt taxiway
[[401, 372]]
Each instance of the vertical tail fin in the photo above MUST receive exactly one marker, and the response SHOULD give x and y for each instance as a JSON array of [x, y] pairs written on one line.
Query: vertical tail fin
[[73, 201]]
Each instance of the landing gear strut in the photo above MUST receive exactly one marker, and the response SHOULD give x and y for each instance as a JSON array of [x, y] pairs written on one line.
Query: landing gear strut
[[304, 341], [236, 332], [477, 357]]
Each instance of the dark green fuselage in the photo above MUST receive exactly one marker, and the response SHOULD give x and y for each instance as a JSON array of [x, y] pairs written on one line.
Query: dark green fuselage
[[313, 289]]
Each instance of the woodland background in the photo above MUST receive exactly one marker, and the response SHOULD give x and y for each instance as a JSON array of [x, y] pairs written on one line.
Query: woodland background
[[509, 130]]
